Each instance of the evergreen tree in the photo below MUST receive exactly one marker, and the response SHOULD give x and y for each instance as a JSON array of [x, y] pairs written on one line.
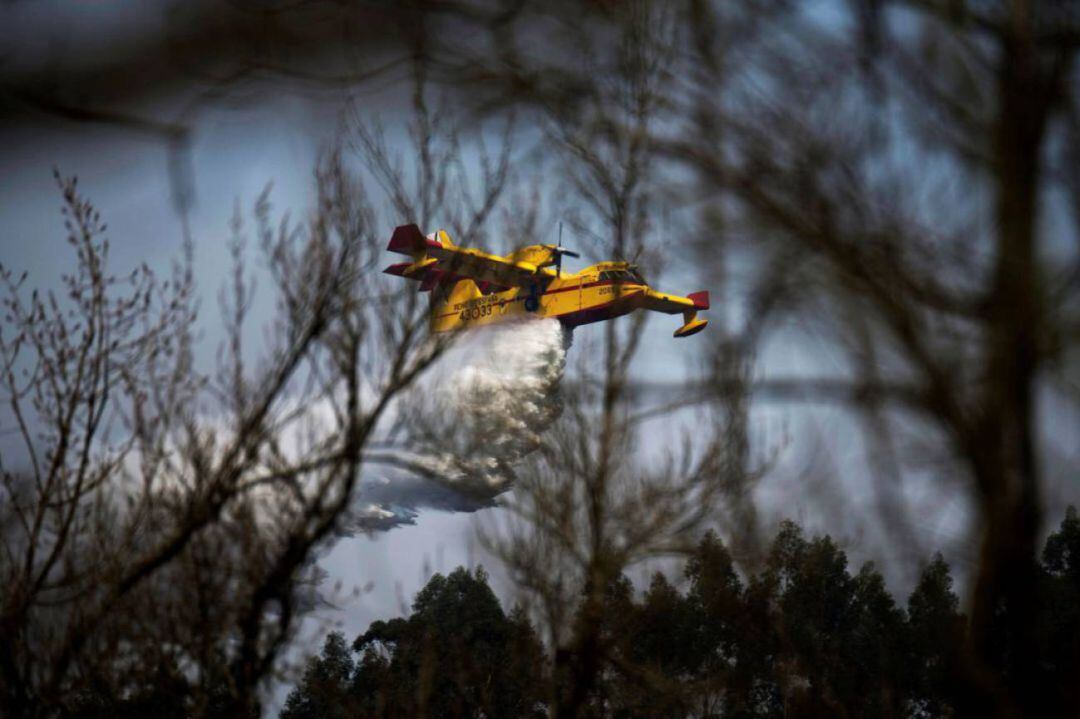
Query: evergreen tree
[[1061, 556], [874, 650], [935, 631], [799, 637], [1059, 623], [734, 647], [323, 692], [656, 639], [815, 596], [457, 655]]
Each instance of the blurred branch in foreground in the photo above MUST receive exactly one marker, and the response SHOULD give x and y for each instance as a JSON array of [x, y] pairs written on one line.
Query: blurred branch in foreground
[[159, 525], [897, 178]]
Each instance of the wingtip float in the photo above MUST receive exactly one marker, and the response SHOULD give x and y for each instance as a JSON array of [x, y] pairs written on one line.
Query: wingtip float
[[471, 287]]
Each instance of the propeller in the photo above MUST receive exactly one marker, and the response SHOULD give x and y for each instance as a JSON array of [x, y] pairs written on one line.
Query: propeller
[[559, 251]]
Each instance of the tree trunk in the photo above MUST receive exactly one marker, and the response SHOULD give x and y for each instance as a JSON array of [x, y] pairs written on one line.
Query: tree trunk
[[1002, 441]]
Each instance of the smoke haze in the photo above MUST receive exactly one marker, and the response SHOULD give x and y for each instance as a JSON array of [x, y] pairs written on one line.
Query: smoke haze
[[472, 419]]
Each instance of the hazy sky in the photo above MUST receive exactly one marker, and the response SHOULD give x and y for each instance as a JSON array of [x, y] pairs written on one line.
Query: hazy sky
[[234, 153]]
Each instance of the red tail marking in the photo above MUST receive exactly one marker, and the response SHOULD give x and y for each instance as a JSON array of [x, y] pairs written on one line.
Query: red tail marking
[[700, 299], [408, 240]]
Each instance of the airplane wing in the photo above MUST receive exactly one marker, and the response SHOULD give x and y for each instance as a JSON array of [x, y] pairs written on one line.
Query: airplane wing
[[673, 304], [440, 254]]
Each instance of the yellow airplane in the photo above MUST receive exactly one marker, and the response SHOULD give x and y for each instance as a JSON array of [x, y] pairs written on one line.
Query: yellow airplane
[[473, 288]]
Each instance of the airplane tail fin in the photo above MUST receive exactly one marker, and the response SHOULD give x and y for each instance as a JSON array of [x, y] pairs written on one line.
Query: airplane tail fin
[[409, 240], [692, 324]]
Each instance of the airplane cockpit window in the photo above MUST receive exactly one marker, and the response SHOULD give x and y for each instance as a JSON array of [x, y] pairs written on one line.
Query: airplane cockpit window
[[636, 277], [621, 276]]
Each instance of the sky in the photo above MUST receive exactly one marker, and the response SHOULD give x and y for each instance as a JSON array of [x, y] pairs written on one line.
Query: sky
[[234, 153]]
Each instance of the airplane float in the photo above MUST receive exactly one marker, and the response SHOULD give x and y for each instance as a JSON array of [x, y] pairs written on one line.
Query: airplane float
[[473, 288]]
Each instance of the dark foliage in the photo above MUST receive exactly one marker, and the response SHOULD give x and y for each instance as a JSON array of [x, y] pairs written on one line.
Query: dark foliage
[[457, 655], [802, 637]]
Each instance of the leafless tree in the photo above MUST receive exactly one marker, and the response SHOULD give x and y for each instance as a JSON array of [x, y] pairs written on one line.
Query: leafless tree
[[897, 181], [158, 523], [899, 177], [590, 505]]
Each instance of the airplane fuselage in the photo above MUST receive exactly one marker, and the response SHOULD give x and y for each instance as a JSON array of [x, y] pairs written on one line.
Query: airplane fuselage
[[598, 293], [470, 287]]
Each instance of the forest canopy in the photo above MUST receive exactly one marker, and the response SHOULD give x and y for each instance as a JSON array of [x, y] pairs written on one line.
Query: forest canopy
[[804, 636]]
